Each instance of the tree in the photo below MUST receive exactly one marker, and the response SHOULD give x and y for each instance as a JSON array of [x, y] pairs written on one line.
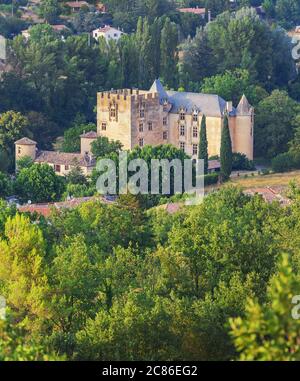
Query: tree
[[5, 185], [226, 151], [71, 142], [50, 10], [263, 51], [269, 331], [275, 123], [13, 125], [39, 183], [103, 147], [232, 85], [23, 281], [203, 145], [76, 281], [169, 54]]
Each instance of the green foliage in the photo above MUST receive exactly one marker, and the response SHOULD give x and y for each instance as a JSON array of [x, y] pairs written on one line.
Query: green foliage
[[269, 332], [39, 183], [240, 162], [283, 162], [264, 52], [104, 147], [13, 126], [50, 10], [276, 118], [211, 178], [232, 85], [203, 145], [5, 185], [71, 142], [226, 151]]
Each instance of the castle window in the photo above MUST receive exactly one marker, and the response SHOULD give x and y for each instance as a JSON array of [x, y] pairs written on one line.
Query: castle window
[[57, 168], [195, 117], [195, 149], [195, 132], [141, 127], [67, 167], [182, 146], [165, 121], [142, 110], [182, 115], [141, 142], [165, 135], [182, 130], [103, 126], [19, 150], [112, 112], [150, 126]]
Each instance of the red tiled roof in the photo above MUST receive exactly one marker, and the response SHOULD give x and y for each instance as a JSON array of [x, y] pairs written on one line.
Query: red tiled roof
[[76, 4], [195, 11], [45, 209]]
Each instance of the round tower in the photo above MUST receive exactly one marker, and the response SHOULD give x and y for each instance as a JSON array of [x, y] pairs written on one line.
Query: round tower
[[25, 148], [244, 141]]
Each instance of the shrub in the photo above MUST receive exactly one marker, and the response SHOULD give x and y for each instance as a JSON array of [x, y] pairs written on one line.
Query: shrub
[[211, 178], [240, 162], [283, 162]]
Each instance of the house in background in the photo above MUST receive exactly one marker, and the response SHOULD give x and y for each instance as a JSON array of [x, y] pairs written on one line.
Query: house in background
[[201, 12], [62, 163], [76, 5], [108, 32]]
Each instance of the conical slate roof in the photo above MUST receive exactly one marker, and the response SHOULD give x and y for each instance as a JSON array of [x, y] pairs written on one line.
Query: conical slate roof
[[244, 107], [157, 87]]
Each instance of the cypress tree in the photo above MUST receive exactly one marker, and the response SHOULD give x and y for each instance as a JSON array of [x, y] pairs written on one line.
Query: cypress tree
[[226, 151], [203, 145]]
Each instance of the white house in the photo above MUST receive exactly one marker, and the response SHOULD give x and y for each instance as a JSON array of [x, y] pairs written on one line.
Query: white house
[[108, 32]]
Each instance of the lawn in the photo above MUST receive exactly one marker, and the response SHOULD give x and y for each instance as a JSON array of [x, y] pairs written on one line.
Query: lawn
[[275, 179]]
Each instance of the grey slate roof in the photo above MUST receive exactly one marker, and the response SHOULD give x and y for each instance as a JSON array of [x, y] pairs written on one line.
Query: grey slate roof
[[207, 104], [157, 87], [60, 158]]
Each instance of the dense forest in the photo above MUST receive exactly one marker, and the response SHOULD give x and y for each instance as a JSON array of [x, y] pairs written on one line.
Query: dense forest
[[210, 282]]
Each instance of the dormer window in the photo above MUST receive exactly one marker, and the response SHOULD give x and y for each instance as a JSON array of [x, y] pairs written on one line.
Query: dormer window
[[195, 117], [182, 115]]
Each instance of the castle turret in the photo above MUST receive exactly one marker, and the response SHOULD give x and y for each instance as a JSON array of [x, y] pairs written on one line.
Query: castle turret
[[25, 147], [244, 129], [86, 142]]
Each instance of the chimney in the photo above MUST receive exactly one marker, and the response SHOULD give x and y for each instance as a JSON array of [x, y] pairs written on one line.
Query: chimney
[[229, 106]]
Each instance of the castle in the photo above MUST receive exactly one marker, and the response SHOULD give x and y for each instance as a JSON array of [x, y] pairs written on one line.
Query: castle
[[154, 117]]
